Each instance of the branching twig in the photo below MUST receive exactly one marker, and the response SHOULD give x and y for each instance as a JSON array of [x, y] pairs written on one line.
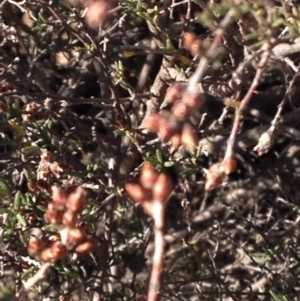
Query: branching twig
[[203, 63], [267, 139], [246, 100]]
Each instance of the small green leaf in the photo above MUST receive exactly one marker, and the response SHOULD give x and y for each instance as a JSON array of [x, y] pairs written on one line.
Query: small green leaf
[[21, 219], [28, 272], [185, 60], [169, 44], [168, 164], [50, 124], [17, 201], [42, 18], [156, 20], [23, 239], [17, 128], [159, 156], [120, 66], [30, 149], [36, 28], [27, 174], [8, 233], [67, 271], [42, 208], [81, 50], [96, 104], [74, 41], [4, 189]]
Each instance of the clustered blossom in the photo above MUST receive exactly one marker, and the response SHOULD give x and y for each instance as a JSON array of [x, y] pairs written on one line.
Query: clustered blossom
[[151, 186], [63, 211], [174, 126]]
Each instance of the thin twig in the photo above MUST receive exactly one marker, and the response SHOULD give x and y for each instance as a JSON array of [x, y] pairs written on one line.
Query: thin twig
[[35, 279], [246, 100], [267, 138], [203, 63], [285, 98]]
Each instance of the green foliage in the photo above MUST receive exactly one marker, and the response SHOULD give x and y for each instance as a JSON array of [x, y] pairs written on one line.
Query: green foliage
[[72, 101]]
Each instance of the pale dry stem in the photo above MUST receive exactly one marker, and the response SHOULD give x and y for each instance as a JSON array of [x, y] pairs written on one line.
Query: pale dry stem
[[157, 265], [35, 279]]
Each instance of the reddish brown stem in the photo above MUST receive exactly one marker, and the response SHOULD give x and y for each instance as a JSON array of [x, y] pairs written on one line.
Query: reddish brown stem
[[246, 100]]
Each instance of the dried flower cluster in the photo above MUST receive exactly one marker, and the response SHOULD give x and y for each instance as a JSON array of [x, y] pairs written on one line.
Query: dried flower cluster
[[63, 211], [47, 166], [151, 185], [30, 111], [175, 126], [46, 169]]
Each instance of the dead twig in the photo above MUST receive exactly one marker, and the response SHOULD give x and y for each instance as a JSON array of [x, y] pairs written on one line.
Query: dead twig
[[247, 98], [203, 63], [35, 279], [267, 139]]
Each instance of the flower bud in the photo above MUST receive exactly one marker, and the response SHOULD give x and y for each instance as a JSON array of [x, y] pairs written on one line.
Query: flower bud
[[69, 218], [56, 251], [175, 141], [167, 129], [193, 100], [35, 246], [214, 177], [228, 165], [75, 237], [192, 43], [188, 138], [54, 214], [152, 122], [181, 110], [46, 255], [136, 192], [86, 247], [59, 197], [162, 188], [148, 175], [97, 10], [174, 92], [76, 200]]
